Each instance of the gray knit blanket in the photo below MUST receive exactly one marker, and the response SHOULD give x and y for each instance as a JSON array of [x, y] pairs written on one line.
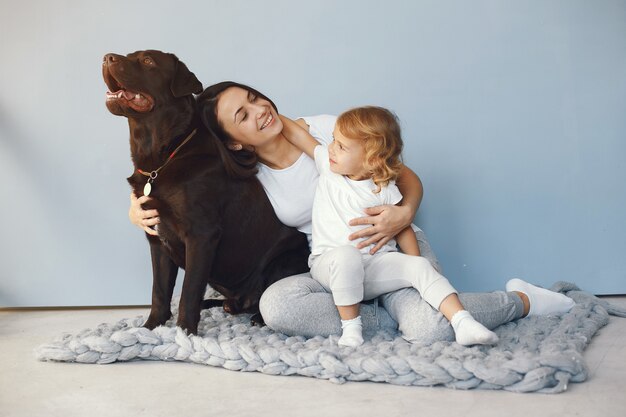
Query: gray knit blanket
[[535, 354]]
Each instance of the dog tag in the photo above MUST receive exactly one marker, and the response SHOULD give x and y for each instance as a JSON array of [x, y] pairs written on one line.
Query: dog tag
[[147, 189]]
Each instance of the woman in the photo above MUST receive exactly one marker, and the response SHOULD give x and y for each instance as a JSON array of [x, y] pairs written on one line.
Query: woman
[[247, 124]]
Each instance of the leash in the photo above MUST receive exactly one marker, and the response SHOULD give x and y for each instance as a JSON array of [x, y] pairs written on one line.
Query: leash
[[147, 189]]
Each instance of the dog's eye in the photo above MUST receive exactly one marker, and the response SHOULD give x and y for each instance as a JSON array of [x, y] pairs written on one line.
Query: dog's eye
[[148, 61]]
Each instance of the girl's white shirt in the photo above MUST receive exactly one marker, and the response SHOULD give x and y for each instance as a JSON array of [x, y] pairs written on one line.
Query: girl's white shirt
[[338, 199]]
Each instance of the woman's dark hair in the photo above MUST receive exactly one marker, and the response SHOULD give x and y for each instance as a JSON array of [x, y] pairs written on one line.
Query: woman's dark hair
[[239, 164]]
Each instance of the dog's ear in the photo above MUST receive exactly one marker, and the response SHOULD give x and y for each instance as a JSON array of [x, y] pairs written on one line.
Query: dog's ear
[[184, 82]]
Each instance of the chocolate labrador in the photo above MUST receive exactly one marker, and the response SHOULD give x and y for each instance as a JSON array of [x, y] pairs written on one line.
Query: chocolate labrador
[[222, 231]]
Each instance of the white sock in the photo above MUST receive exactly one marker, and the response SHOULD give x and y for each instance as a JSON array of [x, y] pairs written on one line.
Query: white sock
[[542, 301], [352, 334], [470, 332]]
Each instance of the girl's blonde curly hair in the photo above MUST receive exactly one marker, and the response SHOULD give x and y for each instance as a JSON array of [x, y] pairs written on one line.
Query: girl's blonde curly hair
[[379, 128]]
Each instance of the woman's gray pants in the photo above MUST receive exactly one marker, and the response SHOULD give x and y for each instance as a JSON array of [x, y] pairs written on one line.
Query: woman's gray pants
[[299, 305]]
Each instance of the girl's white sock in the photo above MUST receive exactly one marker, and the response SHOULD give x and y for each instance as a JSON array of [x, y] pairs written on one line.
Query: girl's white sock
[[470, 332], [542, 301], [352, 334]]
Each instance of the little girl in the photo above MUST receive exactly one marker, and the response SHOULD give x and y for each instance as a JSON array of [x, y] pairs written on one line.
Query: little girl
[[358, 170]]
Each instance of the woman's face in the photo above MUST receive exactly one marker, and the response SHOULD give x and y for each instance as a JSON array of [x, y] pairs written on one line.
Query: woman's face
[[248, 119]]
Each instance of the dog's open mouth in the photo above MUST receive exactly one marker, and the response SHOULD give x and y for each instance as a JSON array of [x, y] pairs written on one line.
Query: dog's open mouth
[[120, 95]]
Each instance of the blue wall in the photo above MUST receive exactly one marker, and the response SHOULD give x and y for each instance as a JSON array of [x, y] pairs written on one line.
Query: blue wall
[[513, 115]]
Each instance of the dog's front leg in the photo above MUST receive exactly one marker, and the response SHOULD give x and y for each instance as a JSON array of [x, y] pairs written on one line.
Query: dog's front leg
[[199, 256], [163, 280]]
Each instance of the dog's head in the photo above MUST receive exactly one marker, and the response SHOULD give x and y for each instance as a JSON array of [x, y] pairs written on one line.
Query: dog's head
[[144, 81]]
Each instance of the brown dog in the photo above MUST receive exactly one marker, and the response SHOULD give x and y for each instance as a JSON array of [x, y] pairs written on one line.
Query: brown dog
[[222, 231]]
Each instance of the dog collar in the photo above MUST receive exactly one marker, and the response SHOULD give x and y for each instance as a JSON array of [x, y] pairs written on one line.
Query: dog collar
[[147, 189]]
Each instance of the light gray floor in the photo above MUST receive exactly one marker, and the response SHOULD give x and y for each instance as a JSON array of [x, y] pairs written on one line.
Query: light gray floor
[[31, 388]]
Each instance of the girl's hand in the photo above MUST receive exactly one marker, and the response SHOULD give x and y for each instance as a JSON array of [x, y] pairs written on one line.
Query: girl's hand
[[386, 222], [143, 218]]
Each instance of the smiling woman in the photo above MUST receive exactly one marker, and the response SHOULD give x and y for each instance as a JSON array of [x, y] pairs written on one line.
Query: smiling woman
[[246, 111]]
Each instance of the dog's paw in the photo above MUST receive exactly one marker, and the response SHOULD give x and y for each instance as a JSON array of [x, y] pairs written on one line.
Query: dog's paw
[[189, 326], [157, 319], [257, 320], [231, 307], [151, 324]]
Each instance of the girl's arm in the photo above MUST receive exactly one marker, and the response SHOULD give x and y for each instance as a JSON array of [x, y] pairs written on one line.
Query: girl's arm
[[388, 221], [298, 136], [408, 242]]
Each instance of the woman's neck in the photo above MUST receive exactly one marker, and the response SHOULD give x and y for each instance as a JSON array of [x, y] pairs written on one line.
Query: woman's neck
[[279, 153]]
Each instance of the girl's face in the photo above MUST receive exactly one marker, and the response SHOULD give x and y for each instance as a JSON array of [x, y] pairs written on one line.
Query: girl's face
[[248, 119], [347, 157]]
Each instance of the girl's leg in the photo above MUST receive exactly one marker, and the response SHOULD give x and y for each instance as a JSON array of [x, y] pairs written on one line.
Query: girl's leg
[[426, 251], [340, 270], [420, 323], [299, 305], [387, 272]]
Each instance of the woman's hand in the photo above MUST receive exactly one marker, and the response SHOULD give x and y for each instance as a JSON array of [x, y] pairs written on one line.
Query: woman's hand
[[141, 218], [386, 222]]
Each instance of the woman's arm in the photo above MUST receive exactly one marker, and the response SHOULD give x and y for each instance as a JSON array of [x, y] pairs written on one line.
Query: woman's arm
[[298, 136], [387, 220], [141, 218], [412, 190]]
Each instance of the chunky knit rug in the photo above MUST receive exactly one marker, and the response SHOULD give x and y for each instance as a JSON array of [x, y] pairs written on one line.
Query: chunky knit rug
[[535, 354]]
